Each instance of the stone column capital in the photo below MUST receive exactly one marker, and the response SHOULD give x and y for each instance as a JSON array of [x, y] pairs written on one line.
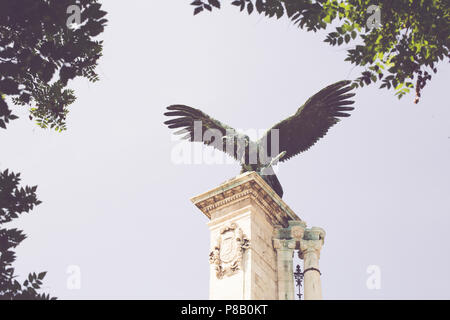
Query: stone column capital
[[313, 240], [315, 233], [280, 244], [297, 229], [310, 246]]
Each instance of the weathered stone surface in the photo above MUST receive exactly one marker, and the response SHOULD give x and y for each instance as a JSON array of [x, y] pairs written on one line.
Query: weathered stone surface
[[253, 236], [310, 248]]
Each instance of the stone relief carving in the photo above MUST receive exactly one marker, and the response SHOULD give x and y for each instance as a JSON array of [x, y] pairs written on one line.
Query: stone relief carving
[[229, 250]]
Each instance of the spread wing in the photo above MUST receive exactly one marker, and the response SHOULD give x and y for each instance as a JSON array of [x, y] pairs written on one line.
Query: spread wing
[[312, 120], [195, 123]]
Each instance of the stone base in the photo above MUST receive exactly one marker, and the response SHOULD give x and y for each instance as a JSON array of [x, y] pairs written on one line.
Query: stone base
[[253, 235]]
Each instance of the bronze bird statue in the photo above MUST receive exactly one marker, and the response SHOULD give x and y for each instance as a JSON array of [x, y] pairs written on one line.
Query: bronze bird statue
[[280, 143]]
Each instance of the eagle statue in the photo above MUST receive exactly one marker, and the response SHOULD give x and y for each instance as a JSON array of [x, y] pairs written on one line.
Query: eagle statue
[[280, 143]]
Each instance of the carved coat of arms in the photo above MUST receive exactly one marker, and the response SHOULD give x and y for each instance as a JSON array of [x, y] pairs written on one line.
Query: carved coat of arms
[[229, 249]]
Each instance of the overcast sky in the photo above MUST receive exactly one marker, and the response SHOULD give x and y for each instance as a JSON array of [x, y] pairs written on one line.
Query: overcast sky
[[117, 206]]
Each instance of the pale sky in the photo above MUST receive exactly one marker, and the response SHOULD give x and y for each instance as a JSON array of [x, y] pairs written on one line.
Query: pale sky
[[116, 205]]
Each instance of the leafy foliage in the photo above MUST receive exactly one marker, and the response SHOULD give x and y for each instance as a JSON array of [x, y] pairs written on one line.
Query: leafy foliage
[[15, 200], [401, 53], [39, 54], [40, 51]]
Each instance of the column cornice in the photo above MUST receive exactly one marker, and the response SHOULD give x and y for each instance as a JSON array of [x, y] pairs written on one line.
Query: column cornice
[[246, 186]]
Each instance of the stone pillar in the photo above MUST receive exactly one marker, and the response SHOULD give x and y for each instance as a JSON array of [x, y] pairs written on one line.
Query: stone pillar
[[285, 251], [309, 243], [310, 247], [244, 215]]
